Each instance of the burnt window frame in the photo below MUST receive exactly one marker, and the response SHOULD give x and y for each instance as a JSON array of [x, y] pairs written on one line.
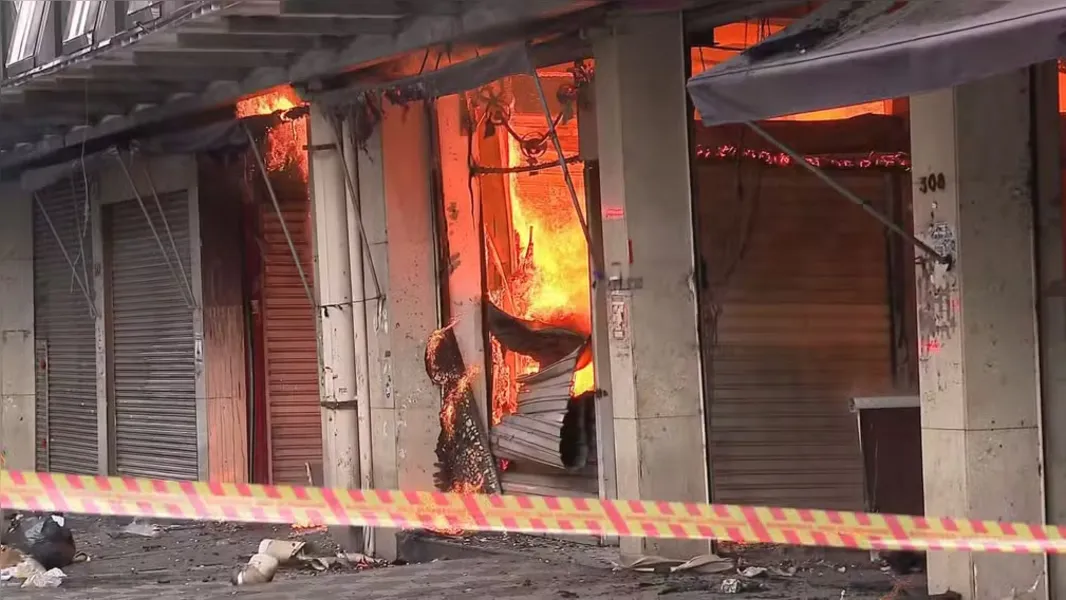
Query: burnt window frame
[[39, 32]]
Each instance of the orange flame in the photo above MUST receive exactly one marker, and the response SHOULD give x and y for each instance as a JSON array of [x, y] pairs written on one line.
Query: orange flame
[[552, 282], [286, 142]]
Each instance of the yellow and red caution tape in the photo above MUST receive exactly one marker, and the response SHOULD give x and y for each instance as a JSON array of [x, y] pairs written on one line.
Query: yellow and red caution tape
[[531, 514]]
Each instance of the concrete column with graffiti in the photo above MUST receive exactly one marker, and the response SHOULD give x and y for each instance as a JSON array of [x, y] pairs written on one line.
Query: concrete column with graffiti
[[977, 323]]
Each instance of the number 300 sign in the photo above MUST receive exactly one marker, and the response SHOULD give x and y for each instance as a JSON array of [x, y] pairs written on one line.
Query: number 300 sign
[[933, 182]]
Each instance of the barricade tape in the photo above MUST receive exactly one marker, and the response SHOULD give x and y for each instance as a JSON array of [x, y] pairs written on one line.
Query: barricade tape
[[54, 492]]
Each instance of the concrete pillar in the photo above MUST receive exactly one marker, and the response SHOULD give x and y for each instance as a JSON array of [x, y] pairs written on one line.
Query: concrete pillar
[[395, 182], [17, 381], [642, 124], [413, 290], [333, 286], [464, 230], [977, 323], [1051, 286], [379, 353]]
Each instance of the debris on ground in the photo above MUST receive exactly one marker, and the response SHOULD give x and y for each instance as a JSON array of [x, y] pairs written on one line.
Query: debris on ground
[[706, 564], [9, 557], [274, 554], [15, 565], [44, 538], [903, 562], [141, 529], [753, 572], [733, 585], [51, 578], [261, 568]]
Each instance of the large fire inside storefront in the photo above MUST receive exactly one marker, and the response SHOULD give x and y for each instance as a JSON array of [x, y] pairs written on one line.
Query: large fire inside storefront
[[535, 260]]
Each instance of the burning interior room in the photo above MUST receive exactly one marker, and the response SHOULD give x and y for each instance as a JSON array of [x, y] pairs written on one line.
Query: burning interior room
[[515, 358]]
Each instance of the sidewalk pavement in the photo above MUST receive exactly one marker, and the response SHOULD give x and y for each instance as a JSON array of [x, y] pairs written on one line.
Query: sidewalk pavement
[[470, 579]]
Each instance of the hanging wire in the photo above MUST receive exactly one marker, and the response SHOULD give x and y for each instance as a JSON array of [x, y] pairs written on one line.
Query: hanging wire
[[281, 217], [66, 255], [151, 225], [166, 227], [863, 204], [353, 198], [554, 134]]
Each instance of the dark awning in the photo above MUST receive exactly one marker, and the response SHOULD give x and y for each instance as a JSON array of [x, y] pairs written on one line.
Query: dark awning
[[848, 52]]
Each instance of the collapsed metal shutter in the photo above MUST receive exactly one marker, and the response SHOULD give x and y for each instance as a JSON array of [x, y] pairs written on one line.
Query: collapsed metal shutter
[[65, 331], [153, 342], [290, 345], [798, 277]]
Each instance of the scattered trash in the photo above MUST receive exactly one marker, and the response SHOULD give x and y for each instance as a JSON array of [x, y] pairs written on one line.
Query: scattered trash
[[9, 557], [46, 539], [786, 572], [753, 572], [141, 529], [360, 561], [51, 578], [274, 554], [842, 569], [261, 568], [733, 585], [706, 563]]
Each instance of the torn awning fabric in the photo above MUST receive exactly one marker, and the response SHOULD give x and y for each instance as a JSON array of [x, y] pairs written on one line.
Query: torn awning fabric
[[849, 52]]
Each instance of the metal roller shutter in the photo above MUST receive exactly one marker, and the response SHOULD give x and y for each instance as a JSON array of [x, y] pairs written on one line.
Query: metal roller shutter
[[799, 277], [291, 346], [153, 343], [65, 331]]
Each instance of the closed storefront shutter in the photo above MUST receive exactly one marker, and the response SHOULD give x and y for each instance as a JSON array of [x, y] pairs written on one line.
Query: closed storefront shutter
[[65, 330], [153, 342], [290, 346], [796, 321]]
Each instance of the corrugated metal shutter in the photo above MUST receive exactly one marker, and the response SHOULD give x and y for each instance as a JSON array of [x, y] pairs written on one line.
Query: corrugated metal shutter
[[290, 346], [804, 325], [65, 331], [152, 329]]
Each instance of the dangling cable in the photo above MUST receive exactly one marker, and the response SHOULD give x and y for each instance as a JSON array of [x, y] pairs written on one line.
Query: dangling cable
[[151, 225], [562, 161], [166, 228], [843, 191], [281, 217], [349, 182], [66, 255]]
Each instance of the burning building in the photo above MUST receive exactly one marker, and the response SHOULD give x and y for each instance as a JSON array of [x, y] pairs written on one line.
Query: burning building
[[516, 244]]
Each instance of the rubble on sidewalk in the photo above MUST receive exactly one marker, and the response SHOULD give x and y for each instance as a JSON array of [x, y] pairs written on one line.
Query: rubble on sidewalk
[[44, 538], [274, 554], [14, 565]]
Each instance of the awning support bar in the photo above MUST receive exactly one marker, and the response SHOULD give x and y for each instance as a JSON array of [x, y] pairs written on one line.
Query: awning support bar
[[843, 191], [66, 255], [356, 203], [281, 217], [166, 229], [155, 233]]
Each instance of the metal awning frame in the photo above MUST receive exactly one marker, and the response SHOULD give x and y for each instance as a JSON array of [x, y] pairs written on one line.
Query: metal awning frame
[[869, 208]]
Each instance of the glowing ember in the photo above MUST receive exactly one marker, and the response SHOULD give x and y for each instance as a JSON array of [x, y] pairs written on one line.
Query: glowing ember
[[306, 528], [286, 142], [465, 488], [452, 399]]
